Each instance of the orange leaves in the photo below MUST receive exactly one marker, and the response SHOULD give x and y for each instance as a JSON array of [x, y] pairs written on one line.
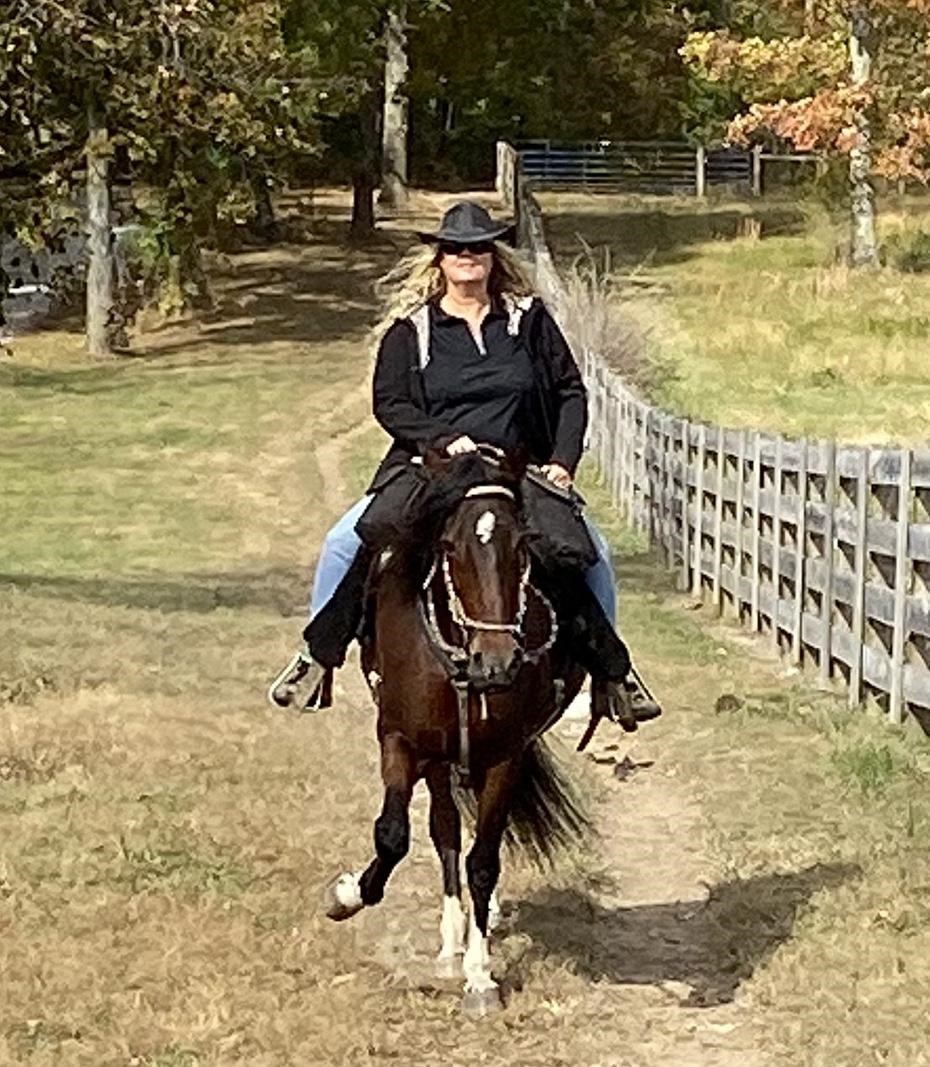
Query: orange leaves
[[904, 156], [822, 122]]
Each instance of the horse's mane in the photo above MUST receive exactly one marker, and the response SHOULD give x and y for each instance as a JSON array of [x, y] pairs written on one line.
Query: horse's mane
[[441, 492]]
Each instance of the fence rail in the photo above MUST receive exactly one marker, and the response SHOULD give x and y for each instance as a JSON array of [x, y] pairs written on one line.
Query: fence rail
[[660, 167], [824, 548]]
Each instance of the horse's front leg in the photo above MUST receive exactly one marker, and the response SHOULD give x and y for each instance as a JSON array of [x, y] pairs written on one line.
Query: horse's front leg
[[482, 994], [352, 892], [445, 829]]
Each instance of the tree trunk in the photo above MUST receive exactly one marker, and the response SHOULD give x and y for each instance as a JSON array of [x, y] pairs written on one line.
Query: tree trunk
[[5, 335], [264, 223], [99, 240], [363, 205], [394, 169], [365, 178], [810, 15], [864, 247]]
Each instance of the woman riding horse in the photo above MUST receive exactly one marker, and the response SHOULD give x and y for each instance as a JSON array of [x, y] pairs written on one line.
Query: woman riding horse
[[470, 357]]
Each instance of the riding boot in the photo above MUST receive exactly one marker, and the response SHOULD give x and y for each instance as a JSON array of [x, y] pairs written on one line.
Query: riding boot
[[309, 673], [617, 692], [334, 627]]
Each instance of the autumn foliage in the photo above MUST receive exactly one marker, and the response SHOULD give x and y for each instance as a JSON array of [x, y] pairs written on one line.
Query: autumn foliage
[[802, 87]]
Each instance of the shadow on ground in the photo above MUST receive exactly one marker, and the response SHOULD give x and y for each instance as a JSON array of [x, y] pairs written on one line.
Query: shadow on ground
[[713, 946], [660, 237], [280, 590]]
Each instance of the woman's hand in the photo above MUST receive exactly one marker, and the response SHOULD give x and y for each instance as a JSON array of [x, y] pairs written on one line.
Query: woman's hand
[[558, 475], [461, 445]]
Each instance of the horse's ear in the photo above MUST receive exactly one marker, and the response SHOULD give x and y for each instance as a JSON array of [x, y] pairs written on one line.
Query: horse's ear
[[515, 462]]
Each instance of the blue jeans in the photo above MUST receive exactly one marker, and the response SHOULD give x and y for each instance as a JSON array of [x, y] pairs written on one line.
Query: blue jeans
[[342, 542]]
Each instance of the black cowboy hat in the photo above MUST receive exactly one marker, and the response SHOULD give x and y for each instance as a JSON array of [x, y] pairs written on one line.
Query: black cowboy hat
[[468, 223]]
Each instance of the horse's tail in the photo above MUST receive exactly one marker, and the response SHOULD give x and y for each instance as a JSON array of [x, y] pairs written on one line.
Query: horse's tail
[[547, 816]]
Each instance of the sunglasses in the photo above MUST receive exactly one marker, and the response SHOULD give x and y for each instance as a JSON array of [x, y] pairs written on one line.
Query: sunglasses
[[474, 248]]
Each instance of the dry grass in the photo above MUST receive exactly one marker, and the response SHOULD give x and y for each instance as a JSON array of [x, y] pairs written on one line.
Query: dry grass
[[608, 312], [164, 837], [771, 332]]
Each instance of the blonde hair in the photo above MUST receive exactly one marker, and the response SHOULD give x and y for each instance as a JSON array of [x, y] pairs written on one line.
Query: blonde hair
[[418, 278]]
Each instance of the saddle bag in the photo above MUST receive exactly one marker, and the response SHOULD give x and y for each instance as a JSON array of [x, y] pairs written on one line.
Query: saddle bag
[[382, 522], [556, 532]]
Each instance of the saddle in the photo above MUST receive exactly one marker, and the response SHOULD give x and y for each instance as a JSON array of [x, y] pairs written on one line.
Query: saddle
[[557, 536]]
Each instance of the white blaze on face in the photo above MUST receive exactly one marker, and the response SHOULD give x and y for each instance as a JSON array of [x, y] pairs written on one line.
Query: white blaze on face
[[484, 527]]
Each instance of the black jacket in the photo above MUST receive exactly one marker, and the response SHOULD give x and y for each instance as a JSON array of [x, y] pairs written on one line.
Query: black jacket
[[560, 407]]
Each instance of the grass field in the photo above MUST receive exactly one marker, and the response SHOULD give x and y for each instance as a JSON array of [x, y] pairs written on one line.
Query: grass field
[[759, 891], [764, 328]]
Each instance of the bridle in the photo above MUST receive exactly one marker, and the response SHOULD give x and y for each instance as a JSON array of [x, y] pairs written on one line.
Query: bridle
[[458, 654], [456, 658]]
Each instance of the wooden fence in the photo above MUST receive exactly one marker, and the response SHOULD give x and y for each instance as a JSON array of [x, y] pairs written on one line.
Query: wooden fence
[[824, 548]]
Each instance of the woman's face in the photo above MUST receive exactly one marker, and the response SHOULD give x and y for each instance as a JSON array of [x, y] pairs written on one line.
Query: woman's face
[[466, 264]]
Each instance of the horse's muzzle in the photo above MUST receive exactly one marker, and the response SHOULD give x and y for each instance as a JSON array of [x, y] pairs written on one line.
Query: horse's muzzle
[[491, 670]]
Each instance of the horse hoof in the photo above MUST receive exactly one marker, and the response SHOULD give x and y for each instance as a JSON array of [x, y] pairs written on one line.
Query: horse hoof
[[449, 967], [480, 1003], [342, 898]]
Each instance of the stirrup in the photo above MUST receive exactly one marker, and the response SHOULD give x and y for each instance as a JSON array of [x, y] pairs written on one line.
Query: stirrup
[[644, 704], [302, 674], [612, 700]]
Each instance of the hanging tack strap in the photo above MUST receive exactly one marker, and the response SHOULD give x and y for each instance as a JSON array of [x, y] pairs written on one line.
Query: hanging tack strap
[[463, 764]]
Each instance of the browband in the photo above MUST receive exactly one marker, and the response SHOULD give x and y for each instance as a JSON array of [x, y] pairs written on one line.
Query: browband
[[490, 490]]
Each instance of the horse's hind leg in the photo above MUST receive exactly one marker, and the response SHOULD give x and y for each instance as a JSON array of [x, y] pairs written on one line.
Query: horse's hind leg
[[352, 892], [482, 995], [445, 829]]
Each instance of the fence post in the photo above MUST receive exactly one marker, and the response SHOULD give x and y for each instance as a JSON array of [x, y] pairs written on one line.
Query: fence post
[[740, 508], [899, 633], [826, 606], [757, 170], [643, 516], [756, 530], [776, 539], [685, 580], [797, 643], [648, 452], [700, 171], [612, 419], [626, 485], [665, 524], [718, 521], [861, 557], [697, 577]]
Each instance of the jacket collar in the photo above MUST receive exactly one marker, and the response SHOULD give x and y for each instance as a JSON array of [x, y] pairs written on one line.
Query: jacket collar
[[443, 318]]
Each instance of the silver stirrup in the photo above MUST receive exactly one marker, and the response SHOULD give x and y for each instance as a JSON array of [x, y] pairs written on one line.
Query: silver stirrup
[[301, 672]]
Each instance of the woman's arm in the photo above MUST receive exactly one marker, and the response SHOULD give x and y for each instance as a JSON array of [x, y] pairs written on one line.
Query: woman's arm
[[570, 399], [393, 402]]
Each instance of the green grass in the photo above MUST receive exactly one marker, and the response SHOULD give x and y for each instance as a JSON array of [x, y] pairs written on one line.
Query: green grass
[[771, 333], [870, 765]]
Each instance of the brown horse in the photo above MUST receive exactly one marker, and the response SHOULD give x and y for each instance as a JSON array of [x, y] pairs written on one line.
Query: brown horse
[[468, 667]]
